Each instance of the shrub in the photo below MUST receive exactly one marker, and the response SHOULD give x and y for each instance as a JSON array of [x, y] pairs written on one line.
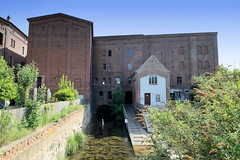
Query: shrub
[[206, 128], [64, 95], [72, 146], [66, 90], [33, 113]]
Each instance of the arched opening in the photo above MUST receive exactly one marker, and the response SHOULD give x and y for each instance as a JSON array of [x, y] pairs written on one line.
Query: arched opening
[[128, 97], [104, 112]]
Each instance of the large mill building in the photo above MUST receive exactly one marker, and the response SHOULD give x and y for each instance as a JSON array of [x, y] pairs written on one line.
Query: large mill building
[[62, 44]]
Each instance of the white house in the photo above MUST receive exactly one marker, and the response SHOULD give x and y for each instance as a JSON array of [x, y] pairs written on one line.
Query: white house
[[151, 83]]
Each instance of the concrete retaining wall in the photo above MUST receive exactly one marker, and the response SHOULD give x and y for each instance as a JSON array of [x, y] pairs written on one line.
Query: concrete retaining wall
[[19, 113], [49, 142]]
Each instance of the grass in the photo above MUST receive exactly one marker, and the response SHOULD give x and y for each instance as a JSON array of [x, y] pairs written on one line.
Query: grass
[[74, 143], [18, 130]]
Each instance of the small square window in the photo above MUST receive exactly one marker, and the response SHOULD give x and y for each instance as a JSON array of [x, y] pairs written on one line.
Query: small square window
[[22, 50], [129, 80], [100, 94], [109, 81], [103, 81], [117, 80], [109, 67], [104, 67], [179, 80], [109, 95], [95, 81], [109, 53], [158, 98], [104, 53], [129, 52], [129, 66]]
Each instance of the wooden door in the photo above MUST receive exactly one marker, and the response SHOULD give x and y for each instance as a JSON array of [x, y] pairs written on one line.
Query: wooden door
[[147, 98]]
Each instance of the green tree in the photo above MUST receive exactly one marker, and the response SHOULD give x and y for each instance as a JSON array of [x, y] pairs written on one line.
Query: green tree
[[117, 102], [7, 85], [206, 128], [26, 76]]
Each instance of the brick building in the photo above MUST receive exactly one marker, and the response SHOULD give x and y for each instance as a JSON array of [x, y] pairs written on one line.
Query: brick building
[[116, 58], [62, 44], [13, 43]]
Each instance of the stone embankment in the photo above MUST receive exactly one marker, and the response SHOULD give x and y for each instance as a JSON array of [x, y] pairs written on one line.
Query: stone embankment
[[48, 142]]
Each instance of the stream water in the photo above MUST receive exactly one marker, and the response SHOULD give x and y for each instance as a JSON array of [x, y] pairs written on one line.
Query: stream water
[[112, 143]]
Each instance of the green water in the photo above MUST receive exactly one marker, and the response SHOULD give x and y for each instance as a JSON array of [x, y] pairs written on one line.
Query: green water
[[112, 143]]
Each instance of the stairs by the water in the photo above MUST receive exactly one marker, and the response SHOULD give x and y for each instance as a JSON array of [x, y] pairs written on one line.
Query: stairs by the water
[[139, 136]]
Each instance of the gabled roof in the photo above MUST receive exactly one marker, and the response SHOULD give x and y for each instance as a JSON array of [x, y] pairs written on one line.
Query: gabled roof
[[10, 24], [58, 15], [151, 63]]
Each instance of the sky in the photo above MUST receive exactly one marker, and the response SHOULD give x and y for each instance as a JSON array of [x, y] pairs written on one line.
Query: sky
[[123, 17]]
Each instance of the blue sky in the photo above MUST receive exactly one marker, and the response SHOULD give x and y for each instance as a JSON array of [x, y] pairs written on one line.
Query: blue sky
[[118, 17]]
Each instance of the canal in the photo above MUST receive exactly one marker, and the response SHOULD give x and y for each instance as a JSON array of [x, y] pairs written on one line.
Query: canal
[[110, 143]]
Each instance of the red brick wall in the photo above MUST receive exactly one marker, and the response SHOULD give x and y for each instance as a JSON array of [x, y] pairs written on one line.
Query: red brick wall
[[61, 44]]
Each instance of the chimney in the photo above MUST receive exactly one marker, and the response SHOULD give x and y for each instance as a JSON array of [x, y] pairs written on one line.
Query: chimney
[[8, 18]]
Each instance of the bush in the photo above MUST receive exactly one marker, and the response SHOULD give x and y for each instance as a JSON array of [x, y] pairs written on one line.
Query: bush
[[64, 95], [66, 90], [206, 128], [117, 102]]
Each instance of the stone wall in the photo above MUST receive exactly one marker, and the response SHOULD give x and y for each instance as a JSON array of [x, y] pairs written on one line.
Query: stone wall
[[49, 142]]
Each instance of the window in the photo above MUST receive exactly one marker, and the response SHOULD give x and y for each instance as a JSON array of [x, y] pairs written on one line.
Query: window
[[205, 49], [22, 50], [129, 67], [103, 81], [100, 94], [109, 53], [104, 53], [129, 52], [200, 65], [109, 67], [129, 80], [206, 65], [109, 81], [1, 39], [181, 50], [95, 81], [12, 43], [104, 67], [109, 95], [182, 64], [179, 80], [158, 98], [152, 80], [117, 80], [199, 49]]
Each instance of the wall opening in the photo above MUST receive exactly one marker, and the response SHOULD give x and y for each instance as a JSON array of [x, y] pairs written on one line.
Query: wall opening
[[104, 112], [128, 97]]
